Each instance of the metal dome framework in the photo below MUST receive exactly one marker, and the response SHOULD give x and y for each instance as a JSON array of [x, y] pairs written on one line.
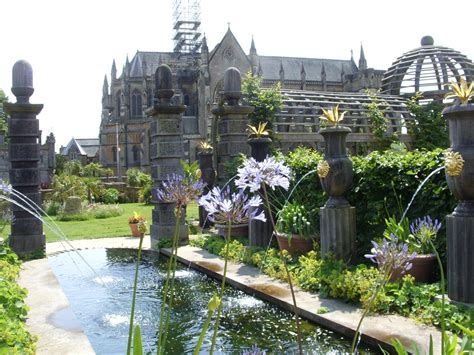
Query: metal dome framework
[[427, 69]]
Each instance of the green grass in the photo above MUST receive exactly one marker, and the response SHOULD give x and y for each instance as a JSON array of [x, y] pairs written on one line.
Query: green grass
[[105, 228]]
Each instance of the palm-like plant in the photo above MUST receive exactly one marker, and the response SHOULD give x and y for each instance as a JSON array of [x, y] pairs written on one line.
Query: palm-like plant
[[258, 131], [332, 115], [461, 91]]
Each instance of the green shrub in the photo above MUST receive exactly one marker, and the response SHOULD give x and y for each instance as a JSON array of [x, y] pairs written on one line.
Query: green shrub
[[100, 211], [14, 338], [110, 196], [52, 208], [73, 217]]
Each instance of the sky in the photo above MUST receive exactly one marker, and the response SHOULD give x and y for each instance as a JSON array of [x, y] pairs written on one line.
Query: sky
[[71, 44]]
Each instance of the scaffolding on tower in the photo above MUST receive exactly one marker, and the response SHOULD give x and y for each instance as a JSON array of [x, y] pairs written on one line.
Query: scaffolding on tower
[[187, 36]]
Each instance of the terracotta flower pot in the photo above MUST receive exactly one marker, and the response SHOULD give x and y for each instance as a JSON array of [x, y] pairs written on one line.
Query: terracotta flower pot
[[135, 231], [296, 245], [237, 230], [423, 267]]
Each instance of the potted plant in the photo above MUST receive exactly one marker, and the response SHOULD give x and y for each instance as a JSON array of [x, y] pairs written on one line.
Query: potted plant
[[259, 140], [335, 171], [417, 236], [296, 228], [133, 222]]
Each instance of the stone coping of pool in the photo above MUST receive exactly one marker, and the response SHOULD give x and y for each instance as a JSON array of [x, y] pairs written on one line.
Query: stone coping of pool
[[341, 317]]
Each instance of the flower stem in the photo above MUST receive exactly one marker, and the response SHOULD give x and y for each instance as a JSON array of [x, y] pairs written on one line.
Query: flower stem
[[203, 332], [174, 255], [134, 294], [442, 286], [379, 286], [165, 291], [288, 276], [221, 294]]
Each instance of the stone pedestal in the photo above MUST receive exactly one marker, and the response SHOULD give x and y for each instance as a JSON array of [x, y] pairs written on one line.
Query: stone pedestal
[[208, 175], [24, 154], [338, 231], [460, 275], [232, 123], [260, 232], [166, 151]]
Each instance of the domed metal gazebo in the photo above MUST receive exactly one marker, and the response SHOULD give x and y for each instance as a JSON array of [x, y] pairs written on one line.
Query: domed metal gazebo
[[427, 69]]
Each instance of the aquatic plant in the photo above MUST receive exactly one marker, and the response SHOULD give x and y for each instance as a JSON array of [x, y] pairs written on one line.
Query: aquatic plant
[[180, 190], [224, 207], [256, 176]]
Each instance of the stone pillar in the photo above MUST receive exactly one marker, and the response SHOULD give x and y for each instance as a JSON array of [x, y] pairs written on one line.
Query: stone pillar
[[208, 176], [337, 217], [24, 154], [166, 151], [232, 123], [459, 168], [260, 233]]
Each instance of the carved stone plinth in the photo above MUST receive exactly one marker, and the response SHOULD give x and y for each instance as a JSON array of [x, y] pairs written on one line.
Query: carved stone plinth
[[166, 151], [24, 154], [460, 274], [338, 231], [260, 232]]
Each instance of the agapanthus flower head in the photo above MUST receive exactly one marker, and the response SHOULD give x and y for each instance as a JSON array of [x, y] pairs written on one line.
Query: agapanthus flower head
[[224, 207], [425, 229], [270, 171], [391, 255], [5, 187], [179, 189]]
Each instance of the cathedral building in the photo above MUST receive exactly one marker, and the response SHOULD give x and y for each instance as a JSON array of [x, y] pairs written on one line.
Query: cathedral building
[[198, 80]]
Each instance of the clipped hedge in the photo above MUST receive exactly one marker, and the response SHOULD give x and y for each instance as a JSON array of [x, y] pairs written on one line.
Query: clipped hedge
[[384, 183]]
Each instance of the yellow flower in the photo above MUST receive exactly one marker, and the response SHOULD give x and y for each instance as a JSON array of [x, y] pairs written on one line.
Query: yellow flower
[[323, 168], [453, 163], [462, 91], [332, 115]]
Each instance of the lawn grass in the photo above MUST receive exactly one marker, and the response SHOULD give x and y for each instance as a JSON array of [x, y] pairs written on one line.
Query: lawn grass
[[105, 228]]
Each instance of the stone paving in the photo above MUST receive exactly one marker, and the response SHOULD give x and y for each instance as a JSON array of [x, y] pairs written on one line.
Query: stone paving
[[59, 332]]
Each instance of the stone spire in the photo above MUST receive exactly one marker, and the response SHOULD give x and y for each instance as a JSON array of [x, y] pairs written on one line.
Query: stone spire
[[303, 77], [113, 72], [127, 67], [362, 60], [282, 74], [105, 88], [253, 57], [323, 77], [260, 70]]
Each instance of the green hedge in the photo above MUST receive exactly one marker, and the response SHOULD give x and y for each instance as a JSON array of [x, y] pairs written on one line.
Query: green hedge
[[14, 338], [382, 183]]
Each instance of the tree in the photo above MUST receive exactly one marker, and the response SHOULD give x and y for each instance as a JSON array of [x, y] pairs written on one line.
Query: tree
[[267, 102], [3, 115]]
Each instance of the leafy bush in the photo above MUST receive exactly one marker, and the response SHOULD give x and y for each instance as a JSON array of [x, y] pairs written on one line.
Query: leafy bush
[[100, 211], [65, 186], [14, 338], [110, 196], [64, 217], [52, 208]]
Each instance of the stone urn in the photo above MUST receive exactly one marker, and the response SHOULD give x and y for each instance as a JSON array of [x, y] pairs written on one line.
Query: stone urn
[[459, 168], [339, 175], [259, 147], [208, 176], [461, 135]]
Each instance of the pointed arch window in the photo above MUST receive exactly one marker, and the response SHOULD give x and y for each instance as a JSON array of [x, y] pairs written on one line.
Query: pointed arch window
[[136, 153], [136, 104], [114, 154], [118, 101]]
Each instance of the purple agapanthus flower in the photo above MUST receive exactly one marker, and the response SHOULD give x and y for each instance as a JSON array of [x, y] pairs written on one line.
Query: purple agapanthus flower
[[270, 171], [224, 207], [5, 187], [425, 229], [391, 255], [179, 189]]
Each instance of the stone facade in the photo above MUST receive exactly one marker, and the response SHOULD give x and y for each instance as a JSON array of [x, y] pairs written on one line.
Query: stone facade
[[198, 83], [85, 150]]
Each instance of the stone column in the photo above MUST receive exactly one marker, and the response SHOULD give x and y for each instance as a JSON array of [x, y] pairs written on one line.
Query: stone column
[[24, 154], [208, 176], [459, 167], [233, 122], [166, 151], [337, 217], [260, 232]]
